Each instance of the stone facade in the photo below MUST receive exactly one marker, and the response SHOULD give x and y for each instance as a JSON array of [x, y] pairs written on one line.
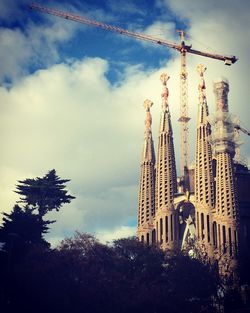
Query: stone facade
[[209, 211]]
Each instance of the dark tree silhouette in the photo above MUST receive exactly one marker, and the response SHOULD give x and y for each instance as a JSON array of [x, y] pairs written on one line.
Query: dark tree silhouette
[[21, 230], [25, 227], [46, 194]]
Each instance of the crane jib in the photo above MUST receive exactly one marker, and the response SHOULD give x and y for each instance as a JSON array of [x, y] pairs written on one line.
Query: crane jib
[[180, 47]]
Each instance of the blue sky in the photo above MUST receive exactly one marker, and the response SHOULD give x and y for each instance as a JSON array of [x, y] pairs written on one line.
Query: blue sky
[[71, 97], [79, 40]]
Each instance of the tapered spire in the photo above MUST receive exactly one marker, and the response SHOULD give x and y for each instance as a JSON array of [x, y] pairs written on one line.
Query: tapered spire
[[166, 168], [146, 210], [166, 184], [204, 180], [148, 153], [224, 147], [225, 226]]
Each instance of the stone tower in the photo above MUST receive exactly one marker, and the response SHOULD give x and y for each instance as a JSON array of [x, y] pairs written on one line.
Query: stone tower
[[214, 213], [204, 180], [225, 217], [166, 223], [146, 210]]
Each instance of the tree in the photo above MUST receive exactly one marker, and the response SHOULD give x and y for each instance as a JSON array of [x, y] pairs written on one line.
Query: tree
[[127, 276], [155, 281], [22, 229], [46, 194]]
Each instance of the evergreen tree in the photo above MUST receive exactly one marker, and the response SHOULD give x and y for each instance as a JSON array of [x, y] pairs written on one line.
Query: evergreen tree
[[21, 230], [46, 194], [24, 228]]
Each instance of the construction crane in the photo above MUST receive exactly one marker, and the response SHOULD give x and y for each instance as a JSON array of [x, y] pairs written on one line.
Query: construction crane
[[244, 130], [238, 128], [181, 47]]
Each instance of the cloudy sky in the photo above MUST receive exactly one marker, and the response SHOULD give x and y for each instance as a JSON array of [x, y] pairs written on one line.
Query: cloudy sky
[[71, 97]]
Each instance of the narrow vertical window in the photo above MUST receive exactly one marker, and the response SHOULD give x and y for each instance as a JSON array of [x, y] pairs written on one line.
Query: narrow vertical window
[[202, 226], [153, 237], [157, 233], [224, 239], [208, 229], [171, 227], [166, 225], [235, 243], [219, 237], [198, 225], [215, 235], [161, 231], [230, 241]]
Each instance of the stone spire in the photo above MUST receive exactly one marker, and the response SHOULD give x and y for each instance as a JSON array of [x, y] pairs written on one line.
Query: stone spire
[[204, 180], [146, 210], [225, 225], [166, 223]]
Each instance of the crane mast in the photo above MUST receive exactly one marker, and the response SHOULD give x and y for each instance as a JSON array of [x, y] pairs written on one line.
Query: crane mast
[[182, 48], [184, 119]]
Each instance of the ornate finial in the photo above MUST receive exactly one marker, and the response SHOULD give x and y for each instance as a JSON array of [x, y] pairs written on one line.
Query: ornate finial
[[148, 121], [201, 69], [147, 104], [164, 78], [201, 87]]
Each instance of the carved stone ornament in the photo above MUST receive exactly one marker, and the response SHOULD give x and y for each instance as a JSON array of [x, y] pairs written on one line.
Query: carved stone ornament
[[147, 104], [164, 78]]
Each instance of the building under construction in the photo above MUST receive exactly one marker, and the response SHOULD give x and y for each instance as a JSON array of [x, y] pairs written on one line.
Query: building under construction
[[209, 203], [208, 206]]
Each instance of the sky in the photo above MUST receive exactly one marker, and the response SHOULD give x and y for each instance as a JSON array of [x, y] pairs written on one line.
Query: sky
[[71, 97]]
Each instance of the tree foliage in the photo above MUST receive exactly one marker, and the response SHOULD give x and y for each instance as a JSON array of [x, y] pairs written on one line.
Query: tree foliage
[[45, 193], [21, 230], [83, 274], [24, 227]]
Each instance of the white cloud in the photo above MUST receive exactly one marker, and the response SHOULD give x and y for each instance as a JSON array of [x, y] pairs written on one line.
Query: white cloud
[[70, 118], [19, 55], [117, 233], [161, 30]]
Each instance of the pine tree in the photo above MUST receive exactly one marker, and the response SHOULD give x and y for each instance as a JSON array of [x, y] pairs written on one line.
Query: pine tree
[[22, 229], [45, 194]]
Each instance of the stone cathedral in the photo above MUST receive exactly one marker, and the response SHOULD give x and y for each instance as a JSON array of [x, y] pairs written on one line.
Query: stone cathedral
[[210, 205]]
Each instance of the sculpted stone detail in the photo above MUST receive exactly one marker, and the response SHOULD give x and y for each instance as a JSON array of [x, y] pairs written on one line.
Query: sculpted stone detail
[[165, 92], [201, 86], [148, 121]]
